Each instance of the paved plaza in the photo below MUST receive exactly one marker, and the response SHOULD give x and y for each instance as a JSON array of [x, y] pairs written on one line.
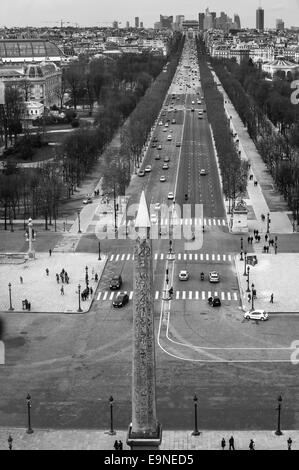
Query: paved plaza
[[42, 290]]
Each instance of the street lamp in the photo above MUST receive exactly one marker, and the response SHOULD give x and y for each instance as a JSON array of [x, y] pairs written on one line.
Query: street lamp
[[86, 276], [252, 297], [245, 261], [99, 258], [278, 430], [79, 228], [10, 304], [79, 299], [9, 440], [28, 398], [196, 431], [268, 222], [241, 243], [111, 432], [248, 269]]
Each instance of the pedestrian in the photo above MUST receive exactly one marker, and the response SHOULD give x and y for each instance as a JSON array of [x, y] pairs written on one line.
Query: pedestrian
[[120, 445], [255, 183], [115, 445], [289, 441], [82, 296], [271, 298], [29, 306], [254, 293], [57, 278], [231, 443], [248, 240], [267, 249], [249, 298], [47, 272], [266, 238], [62, 290], [258, 238], [50, 252], [264, 249], [251, 445], [67, 279], [21, 280], [257, 232], [251, 240], [96, 277], [91, 291], [255, 236], [223, 443]]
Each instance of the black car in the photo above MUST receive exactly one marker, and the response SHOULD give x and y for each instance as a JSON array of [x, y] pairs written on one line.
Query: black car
[[116, 282], [121, 300], [214, 301]]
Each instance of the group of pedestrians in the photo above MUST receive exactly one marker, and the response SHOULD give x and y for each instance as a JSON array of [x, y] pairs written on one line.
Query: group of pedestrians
[[63, 276], [118, 445], [86, 293], [251, 446]]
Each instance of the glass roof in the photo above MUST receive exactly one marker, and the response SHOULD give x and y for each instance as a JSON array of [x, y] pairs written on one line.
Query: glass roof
[[28, 48]]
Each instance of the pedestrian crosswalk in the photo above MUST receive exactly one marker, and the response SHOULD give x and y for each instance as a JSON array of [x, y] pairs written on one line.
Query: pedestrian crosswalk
[[197, 222], [178, 295], [190, 257]]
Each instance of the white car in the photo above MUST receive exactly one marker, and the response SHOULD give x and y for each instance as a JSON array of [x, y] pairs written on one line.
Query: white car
[[169, 137], [157, 206], [192, 102], [148, 168], [162, 179], [203, 171], [184, 275], [170, 195], [159, 147], [87, 201], [214, 276], [166, 124], [165, 166], [198, 102], [256, 315], [161, 123]]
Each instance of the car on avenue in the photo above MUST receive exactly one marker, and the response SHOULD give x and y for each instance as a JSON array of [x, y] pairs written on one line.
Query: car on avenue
[[157, 206], [256, 315], [87, 200], [166, 159], [162, 179], [170, 195], [121, 300], [157, 157], [165, 166], [203, 172], [141, 173], [148, 168], [169, 137], [178, 144], [214, 301], [116, 282], [173, 121], [159, 147], [214, 276], [184, 275]]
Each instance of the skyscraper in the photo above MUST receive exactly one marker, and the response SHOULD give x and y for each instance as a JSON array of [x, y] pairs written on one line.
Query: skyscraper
[[127, 24], [201, 17], [141, 24], [166, 21], [213, 14], [280, 24], [179, 20], [260, 19], [136, 21], [237, 21]]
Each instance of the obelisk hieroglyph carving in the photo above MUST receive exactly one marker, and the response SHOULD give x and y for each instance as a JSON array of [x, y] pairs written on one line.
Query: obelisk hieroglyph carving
[[145, 431]]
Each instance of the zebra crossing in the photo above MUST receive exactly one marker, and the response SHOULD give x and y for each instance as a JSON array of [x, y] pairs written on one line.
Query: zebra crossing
[[191, 257], [178, 295], [216, 222]]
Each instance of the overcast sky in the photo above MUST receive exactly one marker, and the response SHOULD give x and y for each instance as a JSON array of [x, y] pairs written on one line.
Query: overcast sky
[[93, 12]]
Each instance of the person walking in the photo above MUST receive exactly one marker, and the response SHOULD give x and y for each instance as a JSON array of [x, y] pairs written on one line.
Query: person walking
[[57, 278], [29, 306], [62, 290], [266, 238], [289, 442], [223, 443], [231, 443], [21, 280], [116, 445], [249, 298], [120, 445], [91, 290], [251, 445], [50, 252], [47, 272], [271, 298]]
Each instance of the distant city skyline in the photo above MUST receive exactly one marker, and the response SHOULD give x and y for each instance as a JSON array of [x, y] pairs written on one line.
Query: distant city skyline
[[103, 13]]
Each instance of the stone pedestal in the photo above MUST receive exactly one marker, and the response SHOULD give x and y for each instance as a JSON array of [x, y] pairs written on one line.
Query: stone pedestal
[[238, 221], [145, 442]]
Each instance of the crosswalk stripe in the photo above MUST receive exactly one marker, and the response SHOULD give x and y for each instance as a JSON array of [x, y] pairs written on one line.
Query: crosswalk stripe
[[215, 294], [117, 257], [229, 258], [222, 296], [111, 296], [201, 257], [131, 295], [123, 257], [190, 294], [228, 296], [203, 295], [197, 295], [209, 294], [209, 221], [235, 296], [196, 256], [218, 257], [105, 295], [219, 222], [214, 222], [156, 256], [179, 256], [177, 294], [207, 257], [157, 295], [99, 295], [111, 258], [213, 257], [223, 222], [128, 257], [224, 257], [184, 295], [185, 257], [162, 256]]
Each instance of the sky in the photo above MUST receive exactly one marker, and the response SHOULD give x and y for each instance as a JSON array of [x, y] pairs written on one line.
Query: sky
[[103, 12]]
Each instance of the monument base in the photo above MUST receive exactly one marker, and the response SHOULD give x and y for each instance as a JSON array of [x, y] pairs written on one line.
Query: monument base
[[31, 254], [144, 441]]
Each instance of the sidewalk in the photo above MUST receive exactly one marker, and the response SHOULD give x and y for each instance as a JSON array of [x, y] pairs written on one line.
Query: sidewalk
[[262, 199], [171, 440], [42, 291]]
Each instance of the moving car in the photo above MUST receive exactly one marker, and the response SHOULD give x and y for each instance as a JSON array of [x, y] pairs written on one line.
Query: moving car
[[184, 275], [173, 121], [141, 173], [154, 219], [169, 137], [159, 147], [192, 110], [256, 315], [203, 171], [214, 301], [178, 144], [161, 123], [148, 168], [157, 157], [170, 195], [154, 145], [116, 282], [165, 166], [157, 206], [214, 276], [121, 300], [87, 200], [166, 159], [162, 179]]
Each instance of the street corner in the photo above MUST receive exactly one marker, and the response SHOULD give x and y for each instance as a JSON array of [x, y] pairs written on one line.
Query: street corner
[[272, 281], [56, 283]]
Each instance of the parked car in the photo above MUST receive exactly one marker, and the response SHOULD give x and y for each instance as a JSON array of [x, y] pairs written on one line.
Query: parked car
[[121, 300], [157, 157], [256, 315], [166, 159], [116, 282]]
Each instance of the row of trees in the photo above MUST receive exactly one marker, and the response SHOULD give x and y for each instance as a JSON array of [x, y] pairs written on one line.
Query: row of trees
[[271, 119], [234, 171]]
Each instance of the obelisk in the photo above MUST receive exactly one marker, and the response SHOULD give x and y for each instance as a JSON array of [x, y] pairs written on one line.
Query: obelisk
[[145, 433]]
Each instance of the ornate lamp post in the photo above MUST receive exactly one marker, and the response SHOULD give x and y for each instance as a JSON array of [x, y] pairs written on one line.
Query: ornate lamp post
[[278, 430], [241, 240], [248, 269], [10, 304], [99, 258], [86, 276], [196, 431], [241, 256], [111, 432], [79, 227], [28, 398], [245, 261], [9, 440], [79, 299], [252, 297], [268, 222]]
